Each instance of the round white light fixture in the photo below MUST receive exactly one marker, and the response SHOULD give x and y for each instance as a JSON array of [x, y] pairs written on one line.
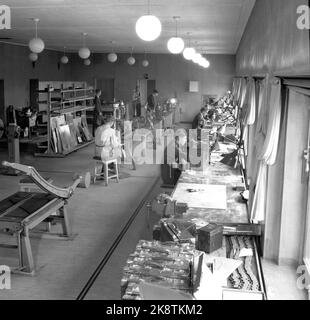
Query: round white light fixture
[[196, 57], [145, 63], [112, 57], [87, 62], [131, 61], [206, 64], [36, 44], [189, 53], [84, 52], [64, 59], [201, 60], [148, 28], [33, 57], [176, 44]]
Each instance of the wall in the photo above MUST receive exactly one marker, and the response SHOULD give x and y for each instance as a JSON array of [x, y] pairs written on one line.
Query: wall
[[272, 42], [172, 74], [16, 70]]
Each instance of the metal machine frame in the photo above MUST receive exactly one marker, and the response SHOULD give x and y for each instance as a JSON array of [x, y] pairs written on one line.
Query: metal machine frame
[[53, 209]]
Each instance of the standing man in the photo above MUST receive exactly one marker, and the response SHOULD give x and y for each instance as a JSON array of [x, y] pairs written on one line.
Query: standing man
[[97, 110], [151, 100]]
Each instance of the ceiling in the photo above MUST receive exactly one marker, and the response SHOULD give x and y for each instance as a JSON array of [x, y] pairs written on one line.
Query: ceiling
[[215, 26]]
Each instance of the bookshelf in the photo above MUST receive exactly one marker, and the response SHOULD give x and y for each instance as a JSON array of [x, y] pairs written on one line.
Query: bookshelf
[[63, 107]]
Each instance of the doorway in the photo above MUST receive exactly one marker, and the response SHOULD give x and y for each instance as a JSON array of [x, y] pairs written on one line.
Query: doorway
[[107, 87]]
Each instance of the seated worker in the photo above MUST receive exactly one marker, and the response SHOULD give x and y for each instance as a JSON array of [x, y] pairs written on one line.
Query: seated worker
[[199, 121], [107, 142], [171, 169]]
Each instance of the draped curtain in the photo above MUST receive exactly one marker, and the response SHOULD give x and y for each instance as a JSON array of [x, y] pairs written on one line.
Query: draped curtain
[[267, 141]]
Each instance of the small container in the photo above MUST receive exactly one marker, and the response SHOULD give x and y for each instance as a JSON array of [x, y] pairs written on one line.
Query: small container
[[210, 238]]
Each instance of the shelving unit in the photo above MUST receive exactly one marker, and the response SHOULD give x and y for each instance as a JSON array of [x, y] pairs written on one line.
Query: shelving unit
[[63, 104]]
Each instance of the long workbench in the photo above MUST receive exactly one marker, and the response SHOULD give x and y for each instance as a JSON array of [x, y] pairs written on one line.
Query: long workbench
[[225, 184]]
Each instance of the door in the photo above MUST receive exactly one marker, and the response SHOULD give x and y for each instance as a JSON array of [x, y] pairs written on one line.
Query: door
[[107, 88]]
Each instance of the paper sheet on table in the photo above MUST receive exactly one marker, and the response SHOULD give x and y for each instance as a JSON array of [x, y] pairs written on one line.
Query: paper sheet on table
[[211, 284], [223, 268], [209, 288], [246, 253], [203, 196]]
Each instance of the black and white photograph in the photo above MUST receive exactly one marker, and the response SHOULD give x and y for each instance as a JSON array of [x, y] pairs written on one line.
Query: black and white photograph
[[155, 151]]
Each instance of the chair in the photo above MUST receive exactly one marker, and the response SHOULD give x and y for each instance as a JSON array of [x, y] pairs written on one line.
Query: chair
[[102, 170]]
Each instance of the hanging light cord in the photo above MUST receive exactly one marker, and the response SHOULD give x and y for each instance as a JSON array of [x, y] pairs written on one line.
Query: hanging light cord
[[176, 27], [83, 39], [36, 27], [148, 7]]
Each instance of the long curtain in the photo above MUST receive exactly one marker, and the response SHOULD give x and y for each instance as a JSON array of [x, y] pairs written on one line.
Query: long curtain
[[250, 121], [268, 139]]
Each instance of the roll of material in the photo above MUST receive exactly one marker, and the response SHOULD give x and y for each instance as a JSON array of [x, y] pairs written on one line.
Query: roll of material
[[85, 179]]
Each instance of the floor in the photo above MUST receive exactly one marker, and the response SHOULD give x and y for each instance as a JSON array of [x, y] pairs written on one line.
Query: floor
[[97, 216]]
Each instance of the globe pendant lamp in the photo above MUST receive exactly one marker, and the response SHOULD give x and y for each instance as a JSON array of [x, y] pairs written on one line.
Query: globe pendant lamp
[[112, 57], [145, 62], [189, 52], [201, 61], [131, 60], [206, 64], [87, 62], [84, 52], [64, 59], [36, 45], [196, 57], [148, 27], [33, 57], [175, 44]]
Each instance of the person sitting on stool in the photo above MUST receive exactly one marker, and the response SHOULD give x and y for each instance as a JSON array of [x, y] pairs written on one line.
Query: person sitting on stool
[[108, 146]]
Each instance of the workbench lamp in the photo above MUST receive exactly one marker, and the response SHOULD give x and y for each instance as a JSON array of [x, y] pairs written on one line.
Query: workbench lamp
[[36, 45], [175, 44], [84, 52], [148, 27]]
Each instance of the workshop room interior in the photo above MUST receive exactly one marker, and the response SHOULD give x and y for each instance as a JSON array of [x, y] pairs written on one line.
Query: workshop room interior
[[154, 150]]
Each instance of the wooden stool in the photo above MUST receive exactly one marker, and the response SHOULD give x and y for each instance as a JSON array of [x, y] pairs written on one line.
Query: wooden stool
[[104, 164]]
